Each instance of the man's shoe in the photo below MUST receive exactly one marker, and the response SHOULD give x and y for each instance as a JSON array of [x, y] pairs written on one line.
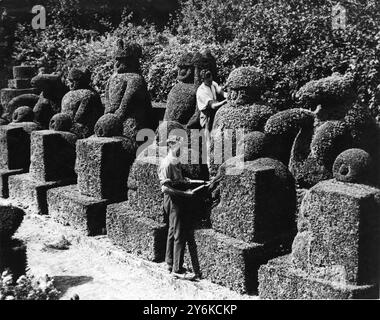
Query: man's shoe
[[181, 270], [181, 273], [197, 276], [186, 275]]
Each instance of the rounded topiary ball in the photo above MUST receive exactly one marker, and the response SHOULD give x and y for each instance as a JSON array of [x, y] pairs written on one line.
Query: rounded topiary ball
[[353, 165], [109, 125], [23, 114], [245, 77], [60, 122], [256, 145], [10, 220]]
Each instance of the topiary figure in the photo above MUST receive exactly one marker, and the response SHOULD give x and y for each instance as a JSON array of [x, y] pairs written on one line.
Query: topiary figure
[[312, 157], [276, 193], [338, 124], [49, 101], [362, 127], [108, 125], [254, 146], [82, 103], [23, 114], [181, 103], [328, 92], [282, 128], [60, 122], [355, 166], [79, 79], [243, 111], [245, 85], [127, 95], [10, 220]]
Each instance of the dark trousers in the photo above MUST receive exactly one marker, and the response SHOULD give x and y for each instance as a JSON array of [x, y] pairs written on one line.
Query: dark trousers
[[180, 232]]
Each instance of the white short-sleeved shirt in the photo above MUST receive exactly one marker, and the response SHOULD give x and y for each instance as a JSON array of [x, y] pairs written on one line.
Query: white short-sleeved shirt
[[205, 94], [170, 170]]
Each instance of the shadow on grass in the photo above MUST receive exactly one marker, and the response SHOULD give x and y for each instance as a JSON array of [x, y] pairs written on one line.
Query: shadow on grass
[[63, 283]]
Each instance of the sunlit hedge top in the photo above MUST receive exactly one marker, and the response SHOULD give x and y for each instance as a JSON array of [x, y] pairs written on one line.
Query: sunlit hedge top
[[245, 77], [329, 91]]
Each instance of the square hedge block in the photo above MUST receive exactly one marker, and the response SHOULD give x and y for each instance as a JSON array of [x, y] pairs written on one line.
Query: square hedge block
[[31, 193], [19, 83], [14, 148], [280, 280], [230, 262], [102, 168], [52, 155], [68, 206], [142, 236], [4, 181], [24, 72], [144, 190], [339, 233], [28, 127], [3, 83], [254, 206]]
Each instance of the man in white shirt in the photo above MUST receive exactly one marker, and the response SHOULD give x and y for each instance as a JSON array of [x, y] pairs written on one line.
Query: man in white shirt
[[207, 102]]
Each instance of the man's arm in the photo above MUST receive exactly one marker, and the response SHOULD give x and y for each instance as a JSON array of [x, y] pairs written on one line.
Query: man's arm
[[191, 181], [219, 91], [194, 120], [167, 185], [216, 105], [166, 188], [205, 101]]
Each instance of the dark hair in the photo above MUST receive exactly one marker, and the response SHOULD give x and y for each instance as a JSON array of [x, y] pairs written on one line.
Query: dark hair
[[205, 72]]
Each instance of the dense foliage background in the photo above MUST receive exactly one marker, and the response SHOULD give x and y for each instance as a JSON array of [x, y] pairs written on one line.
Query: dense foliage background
[[292, 41]]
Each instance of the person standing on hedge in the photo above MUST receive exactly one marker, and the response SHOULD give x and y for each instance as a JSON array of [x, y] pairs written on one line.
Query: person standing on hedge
[[177, 194], [208, 95]]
